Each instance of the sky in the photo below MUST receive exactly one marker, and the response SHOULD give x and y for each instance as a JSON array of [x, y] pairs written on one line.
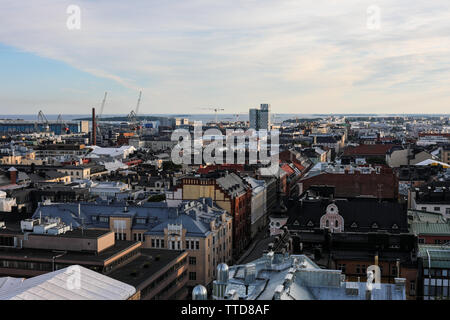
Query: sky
[[322, 56]]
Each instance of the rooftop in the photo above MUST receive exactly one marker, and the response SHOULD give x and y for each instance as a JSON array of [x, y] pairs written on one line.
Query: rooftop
[[60, 285], [296, 277]]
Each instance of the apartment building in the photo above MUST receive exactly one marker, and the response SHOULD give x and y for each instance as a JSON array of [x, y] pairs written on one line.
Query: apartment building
[[46, 244], [229, 192], [198, 227]]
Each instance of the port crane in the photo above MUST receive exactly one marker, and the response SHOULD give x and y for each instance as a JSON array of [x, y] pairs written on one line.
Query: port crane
[[99, 115], [64, 126], [133, 115], [42, 119]]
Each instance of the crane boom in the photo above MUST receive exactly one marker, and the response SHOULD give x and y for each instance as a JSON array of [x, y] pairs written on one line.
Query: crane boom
[[103, 104], [138, 103]]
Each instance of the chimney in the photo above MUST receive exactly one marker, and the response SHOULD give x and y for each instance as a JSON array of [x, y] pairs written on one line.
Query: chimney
[[398, 268], [376, 259], [94, 128], [13, 175]]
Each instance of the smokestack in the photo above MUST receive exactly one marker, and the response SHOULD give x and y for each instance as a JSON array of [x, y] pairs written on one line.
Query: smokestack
[[94, 128], [13, 175]]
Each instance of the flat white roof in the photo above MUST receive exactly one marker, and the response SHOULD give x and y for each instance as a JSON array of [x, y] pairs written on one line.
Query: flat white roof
[[71, 283]]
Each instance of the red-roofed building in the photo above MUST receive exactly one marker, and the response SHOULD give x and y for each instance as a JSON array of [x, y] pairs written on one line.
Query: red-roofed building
[[367, 151], [378, 184]]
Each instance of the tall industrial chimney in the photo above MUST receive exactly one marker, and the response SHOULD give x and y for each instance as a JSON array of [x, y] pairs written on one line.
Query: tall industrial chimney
[[94, 129]]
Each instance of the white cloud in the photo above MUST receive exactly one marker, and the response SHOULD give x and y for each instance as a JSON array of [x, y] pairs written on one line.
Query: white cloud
[[297, 55]]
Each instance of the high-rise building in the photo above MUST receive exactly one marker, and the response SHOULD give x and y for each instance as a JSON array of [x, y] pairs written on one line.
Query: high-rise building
[[260, 118]]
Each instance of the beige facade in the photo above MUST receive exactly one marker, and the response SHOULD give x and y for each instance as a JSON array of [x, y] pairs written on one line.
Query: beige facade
[[204, 252], [77, 173]]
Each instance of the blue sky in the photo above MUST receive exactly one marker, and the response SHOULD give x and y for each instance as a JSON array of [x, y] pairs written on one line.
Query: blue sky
[[300, 56]]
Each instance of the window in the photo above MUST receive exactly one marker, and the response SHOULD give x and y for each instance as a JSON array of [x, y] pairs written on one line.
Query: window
[[157, 243], [197, 245], [187, 244], [162, 243], [437, 208], [358, 268], [374, 225], [421, 240], [336, 224], [192, 260], [192, 276], [424, 208], [327, 223], [394, 270], [310, 224], [437, 241], [412, 288], [341, 267], [354, 225], [153, 243], [103, 219]]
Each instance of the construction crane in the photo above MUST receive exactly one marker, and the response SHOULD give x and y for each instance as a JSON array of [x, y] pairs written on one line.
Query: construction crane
[[102, 107], [216, 110], [63, 124], [43, 119], [133, 115]]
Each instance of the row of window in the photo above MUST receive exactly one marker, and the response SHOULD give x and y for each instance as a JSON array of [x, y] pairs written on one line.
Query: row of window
[[362, 269], [163, 277], [438, 209], [172, 284], [157, 243], [436, 272], [436, 241]]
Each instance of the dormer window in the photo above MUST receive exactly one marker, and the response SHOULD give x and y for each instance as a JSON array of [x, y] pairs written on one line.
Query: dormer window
[[374, 225], [310, 224], [354, 225], [395, 226]]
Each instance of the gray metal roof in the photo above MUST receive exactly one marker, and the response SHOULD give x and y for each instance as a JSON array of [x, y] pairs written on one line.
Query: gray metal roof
[[195, 216], [310, 282]]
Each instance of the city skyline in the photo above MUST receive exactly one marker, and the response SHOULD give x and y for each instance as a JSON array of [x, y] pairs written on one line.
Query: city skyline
[[353, 57]]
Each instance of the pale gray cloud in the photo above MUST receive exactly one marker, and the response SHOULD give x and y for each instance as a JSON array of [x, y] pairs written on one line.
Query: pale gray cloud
[[301, 56]]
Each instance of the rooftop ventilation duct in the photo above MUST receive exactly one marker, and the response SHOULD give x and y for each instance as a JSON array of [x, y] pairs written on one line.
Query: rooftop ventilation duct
[[278, 292], [249, 273]]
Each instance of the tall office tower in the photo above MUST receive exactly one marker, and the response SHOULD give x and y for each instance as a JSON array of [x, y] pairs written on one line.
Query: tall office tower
[[264, 116], [253, 116], [260, 118]]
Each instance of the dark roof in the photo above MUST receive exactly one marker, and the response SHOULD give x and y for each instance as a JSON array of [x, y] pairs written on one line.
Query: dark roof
[[71, 256], [140, 270], [325, 139], [368, 150], [359, 214]]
